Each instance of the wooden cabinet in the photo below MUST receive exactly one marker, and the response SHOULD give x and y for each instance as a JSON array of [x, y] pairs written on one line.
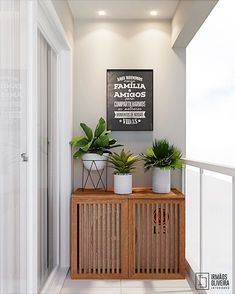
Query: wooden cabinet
[[99, 235], [141, 235]]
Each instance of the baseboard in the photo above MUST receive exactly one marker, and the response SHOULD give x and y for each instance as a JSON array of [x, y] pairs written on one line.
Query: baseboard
[[55, 281], [191, 278]]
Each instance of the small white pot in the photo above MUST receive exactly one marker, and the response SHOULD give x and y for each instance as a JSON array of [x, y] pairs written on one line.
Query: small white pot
[[123, 183], [161, 180], [93, 161]]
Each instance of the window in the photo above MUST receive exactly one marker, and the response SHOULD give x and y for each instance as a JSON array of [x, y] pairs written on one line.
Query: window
[[211, 88]]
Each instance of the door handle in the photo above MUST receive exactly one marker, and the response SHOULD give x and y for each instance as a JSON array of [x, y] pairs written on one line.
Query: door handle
[[24, 157]]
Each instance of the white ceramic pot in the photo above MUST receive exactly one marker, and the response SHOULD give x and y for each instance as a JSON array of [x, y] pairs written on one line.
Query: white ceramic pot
[[123, 183], [161, 180], [93, 161]]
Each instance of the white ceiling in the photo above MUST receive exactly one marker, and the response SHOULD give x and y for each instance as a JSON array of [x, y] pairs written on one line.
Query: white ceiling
[[123, 9]]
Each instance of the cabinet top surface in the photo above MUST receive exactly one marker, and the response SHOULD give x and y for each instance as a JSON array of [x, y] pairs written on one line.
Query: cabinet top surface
[[138, 193]]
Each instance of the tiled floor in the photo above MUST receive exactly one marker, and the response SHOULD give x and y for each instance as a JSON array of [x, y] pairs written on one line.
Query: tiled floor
[[126, 287]]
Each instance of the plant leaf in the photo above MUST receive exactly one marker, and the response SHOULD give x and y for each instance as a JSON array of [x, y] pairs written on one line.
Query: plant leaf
[[112, 141], [78, 154], [162, 155], [114, 146], [123, 162], [100, 128], [150, 152], [102, 141], [86, 147], [87, 131], [74, 140], [81, 142]]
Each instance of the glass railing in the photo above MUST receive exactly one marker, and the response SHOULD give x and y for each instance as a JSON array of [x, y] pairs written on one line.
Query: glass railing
[[210, 223]]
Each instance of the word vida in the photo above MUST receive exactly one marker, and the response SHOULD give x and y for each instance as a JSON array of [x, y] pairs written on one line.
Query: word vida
[[128, 121]]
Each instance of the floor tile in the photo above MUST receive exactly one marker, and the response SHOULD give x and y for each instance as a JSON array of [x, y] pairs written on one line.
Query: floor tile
[[155, 291], [183, 284], [90, 290], [126, 287], [78, 284]]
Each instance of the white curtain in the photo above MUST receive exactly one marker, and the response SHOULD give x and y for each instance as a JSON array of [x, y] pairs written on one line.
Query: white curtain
[[12, 144]]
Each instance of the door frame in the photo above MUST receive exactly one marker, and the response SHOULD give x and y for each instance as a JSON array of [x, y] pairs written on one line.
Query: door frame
[[42, 16]]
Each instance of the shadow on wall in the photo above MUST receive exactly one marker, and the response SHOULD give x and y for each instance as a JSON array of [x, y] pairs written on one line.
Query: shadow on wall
[[139, 142]]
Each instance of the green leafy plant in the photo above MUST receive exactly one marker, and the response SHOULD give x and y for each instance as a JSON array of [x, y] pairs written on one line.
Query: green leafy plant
[[93, 142], [162, 155], [123, 162]]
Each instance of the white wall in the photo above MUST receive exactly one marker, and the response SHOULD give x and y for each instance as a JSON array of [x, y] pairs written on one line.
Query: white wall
[[188, 18], [130, 44], [63, 11]]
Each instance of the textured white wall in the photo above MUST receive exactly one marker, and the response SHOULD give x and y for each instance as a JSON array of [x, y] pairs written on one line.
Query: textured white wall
[[130, 44]]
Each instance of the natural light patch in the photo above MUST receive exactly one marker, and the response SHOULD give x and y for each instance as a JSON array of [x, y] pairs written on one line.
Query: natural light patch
[[211, 88]]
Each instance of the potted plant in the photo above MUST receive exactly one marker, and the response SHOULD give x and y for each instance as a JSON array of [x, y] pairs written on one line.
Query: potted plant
[[123, 164], [162, 157], [93, 147]]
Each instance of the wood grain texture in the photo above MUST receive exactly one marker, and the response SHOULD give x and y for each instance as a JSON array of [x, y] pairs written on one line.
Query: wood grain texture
[[143, 251], [80, 237], [166, 240], [162, 237], [152, 239], [138, 240], [73, 232], [118, 238], [147, 238], [104, 238], [94, 239], [137, 236], [98, 233], [171, 238], [125, 239], [182, 238], [157, 238], [89, 238], [133, 266], [176, 253], [85, 238], [113, 240], [108, 239]]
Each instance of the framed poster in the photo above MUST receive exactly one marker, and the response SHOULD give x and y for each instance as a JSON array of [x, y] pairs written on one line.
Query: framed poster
[[130, 99]]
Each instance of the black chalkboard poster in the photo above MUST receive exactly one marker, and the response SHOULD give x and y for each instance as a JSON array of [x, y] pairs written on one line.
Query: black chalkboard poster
[[130, 99]]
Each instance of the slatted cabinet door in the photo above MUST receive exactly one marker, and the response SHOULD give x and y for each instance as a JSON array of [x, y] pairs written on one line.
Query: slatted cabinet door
[[137, 236], [99, 231], [156, 230]]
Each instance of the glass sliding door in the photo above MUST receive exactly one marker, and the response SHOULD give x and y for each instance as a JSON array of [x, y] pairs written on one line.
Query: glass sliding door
[[13, 142], [42, 160], [47, 200], [52, 167]]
